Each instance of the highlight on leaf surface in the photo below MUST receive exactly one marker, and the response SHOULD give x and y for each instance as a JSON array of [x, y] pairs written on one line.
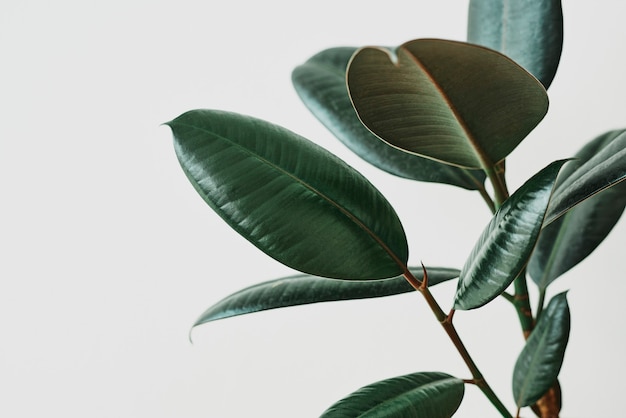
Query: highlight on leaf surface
[[602, 168], [321, 84], [458, 103], [507, 242], [572, 237], [530, 32], [418, 395], [294, 200]]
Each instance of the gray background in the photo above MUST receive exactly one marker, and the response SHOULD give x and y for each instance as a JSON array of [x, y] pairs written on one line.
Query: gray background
[[108, 255]]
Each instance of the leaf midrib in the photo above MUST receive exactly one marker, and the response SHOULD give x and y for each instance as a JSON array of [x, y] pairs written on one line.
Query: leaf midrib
[[345, 212], [533, 361], [338, 76], [485, 162], [407, 392]]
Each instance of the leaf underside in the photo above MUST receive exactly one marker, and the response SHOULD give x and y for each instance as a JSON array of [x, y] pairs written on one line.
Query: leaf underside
[[454, 102], [321, 84]]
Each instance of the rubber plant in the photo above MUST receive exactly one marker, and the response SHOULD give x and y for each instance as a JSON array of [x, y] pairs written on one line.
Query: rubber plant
[[429, 110]]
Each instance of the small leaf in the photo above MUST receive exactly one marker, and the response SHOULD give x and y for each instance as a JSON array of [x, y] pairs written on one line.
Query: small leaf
[[292, 199], [306, 289], [506, 244], [321, 84], [418, 395], [539, 363], [454, 102], [530, 32], [571, 238], [603, 170]]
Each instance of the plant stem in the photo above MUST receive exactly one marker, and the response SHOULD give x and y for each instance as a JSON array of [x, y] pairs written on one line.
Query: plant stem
[[521, 301], [487, 198], [446, 323], [541, 302], [496, 177]]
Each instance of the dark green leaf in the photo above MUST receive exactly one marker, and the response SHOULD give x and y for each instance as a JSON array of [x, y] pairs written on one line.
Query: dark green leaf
[[506, 244], [539, 363], [572, 237], [306, 289], [530, 32], [604, 169], [418, 395], [458, 103], [292, 199], [321, 84]]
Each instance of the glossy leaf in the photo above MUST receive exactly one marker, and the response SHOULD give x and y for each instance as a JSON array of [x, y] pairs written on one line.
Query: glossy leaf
[[530, 32], [571, 238], [458, 103], [539, 363], [306, 289], [292, 199], [603, 170], [418, 395], [506, 244], [321, 84]]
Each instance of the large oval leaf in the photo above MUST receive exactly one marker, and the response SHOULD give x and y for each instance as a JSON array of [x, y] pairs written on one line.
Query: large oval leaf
[[571, 238], [306, 289], [321, 84], [458, 103], [603, 170], [506, 244], [539, 363], [530, 32], [292, 199], [418, 395]]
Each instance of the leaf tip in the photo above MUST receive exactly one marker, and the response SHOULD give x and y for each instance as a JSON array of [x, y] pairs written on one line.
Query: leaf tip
[[168, 124], [193, 327], [562, 295]]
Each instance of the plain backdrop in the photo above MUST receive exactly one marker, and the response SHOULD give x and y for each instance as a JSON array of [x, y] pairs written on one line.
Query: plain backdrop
[[108, 255]]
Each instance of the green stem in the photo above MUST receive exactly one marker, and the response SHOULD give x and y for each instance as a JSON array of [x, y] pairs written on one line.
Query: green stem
[[479, 380], [487, 198], [541, 302], [521, 301], [508, 297], [496, 178], [446, 323]]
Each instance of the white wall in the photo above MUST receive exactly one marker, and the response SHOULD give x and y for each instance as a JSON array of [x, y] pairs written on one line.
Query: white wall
[[108, 255]]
